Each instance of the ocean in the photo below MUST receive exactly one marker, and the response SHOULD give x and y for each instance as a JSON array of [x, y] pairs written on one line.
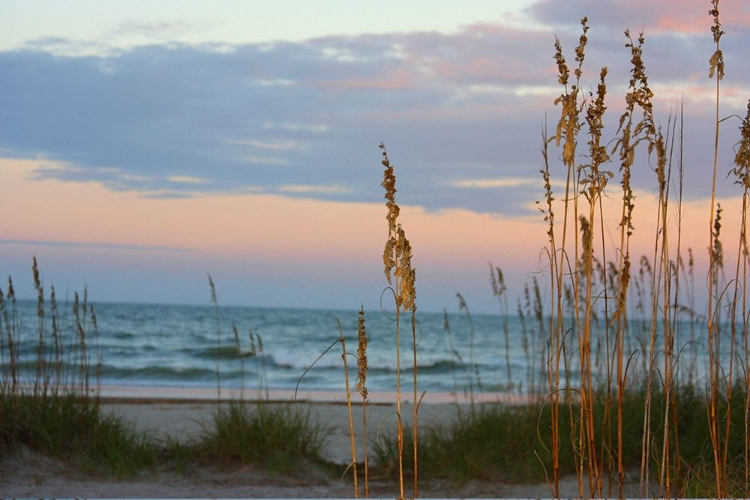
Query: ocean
[[277, 349]]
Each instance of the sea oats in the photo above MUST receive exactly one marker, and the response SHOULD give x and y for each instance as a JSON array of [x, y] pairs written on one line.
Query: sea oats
[[716, 63], [741, 168], [362, 354], [362, 389], [401, 277]]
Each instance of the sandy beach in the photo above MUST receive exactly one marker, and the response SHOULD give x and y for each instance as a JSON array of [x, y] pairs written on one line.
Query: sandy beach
[[182, 415]]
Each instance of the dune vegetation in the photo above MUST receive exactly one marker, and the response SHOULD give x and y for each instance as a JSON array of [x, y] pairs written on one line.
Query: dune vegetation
[[53, 406], [623, 393]]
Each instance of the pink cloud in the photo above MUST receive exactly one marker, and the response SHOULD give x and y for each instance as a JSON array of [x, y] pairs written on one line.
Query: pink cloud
[[397, 78], [674, 16], [478, 53], [485, 53]]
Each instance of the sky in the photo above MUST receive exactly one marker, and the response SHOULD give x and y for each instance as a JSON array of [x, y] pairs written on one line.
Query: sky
[[144, 145]]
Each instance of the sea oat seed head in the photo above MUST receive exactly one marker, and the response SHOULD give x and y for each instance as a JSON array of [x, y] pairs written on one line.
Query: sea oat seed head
[[742, 157], [716, 63], [362, 354]]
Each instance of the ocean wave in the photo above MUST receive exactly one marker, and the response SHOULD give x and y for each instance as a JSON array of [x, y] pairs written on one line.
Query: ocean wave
[[158, 373], [295, 361], [225, 352]]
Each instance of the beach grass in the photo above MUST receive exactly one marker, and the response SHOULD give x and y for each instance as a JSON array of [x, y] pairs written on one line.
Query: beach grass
[[52, 406], [278, 438], [71, 428]]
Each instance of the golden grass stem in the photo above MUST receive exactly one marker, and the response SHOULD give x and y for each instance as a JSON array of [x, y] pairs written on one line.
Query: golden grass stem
[[742, 173], [555, 319], [215, 302], [401, 277], [362, 388], [352, 440], [399, 422], [716, 67], [415, 403]]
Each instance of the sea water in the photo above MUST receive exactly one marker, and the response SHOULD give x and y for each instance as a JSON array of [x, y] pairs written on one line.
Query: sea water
[[286, 349]]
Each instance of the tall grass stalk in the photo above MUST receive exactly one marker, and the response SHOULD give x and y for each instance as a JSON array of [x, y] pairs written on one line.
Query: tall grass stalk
[[556, 327], [260, 354], [626, 147], [537, 339], [593, 187], [670, 445], [498, 290], [401, 278], [215, 303], [454, 353], [668, 282], [473, 369], [738, 295], [237, 343], [81, 316], [741, 172], [350, 414], [524, 311], [41, 376], [362, 389], [716, 68], [659, 280], [10, 323], [57, 344]]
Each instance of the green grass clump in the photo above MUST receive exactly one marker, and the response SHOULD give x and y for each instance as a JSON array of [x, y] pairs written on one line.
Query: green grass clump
[[492, 443], [71, 428], [487, 445], [277, 437]]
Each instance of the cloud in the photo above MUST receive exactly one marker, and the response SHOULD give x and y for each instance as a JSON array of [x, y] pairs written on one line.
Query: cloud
[[314, 128], [266, 160], [275, 82], [494, 183], [278, 145], [667, 16], [459, 112], [501, 183], [298, 188], [185, 179], [150, 31], [65, 48]]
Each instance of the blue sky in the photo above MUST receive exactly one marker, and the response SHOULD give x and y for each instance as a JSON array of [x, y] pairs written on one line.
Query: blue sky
[[178, 105]]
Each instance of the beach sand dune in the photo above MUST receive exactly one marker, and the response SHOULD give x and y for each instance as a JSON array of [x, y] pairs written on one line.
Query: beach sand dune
[[29, 474]]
